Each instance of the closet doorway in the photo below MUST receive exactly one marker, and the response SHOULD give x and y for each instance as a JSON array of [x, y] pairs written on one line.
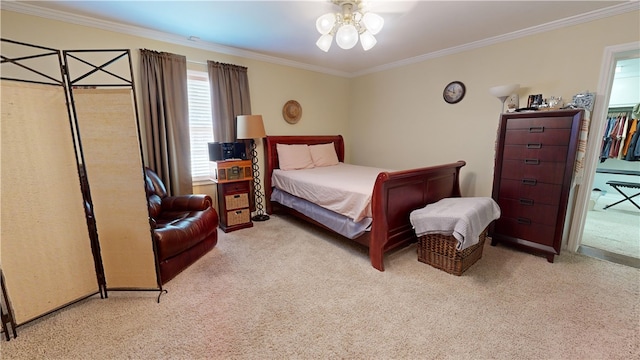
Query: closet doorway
[[612, 222]]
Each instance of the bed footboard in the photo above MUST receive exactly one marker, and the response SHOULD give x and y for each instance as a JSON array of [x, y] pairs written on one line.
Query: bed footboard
[[396, 194]]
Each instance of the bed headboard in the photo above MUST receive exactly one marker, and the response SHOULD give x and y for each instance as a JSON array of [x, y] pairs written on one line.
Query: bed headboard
[[271, 154]]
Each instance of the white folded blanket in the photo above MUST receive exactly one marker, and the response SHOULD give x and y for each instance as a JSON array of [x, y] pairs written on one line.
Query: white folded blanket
[[465, 218]]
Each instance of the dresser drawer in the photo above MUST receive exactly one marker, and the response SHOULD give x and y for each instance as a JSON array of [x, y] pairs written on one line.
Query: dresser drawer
[[236, 201], [540, 171], [528, 210], [539, 151], [544, 136], [541, 193], [235, 187], [537, 233], [559, 122], [237, 217]]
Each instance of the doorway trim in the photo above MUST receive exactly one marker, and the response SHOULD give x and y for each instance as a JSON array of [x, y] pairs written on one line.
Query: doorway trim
[[607, 71]]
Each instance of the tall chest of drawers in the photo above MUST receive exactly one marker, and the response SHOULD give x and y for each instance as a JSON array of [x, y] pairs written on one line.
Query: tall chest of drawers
[[535, 157]]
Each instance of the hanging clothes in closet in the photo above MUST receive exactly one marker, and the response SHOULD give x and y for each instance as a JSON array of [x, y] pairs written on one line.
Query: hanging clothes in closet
[[631, 146], [632, 152], [620, 139]]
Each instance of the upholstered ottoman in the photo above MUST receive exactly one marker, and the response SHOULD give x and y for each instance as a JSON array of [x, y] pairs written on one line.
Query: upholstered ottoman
[[451, 232]]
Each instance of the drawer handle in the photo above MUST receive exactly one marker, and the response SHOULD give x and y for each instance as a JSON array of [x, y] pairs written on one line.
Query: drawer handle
[[534, 146], [238, 212], [236, 196], [528, 202], [536, 129], [524, 221], [532, 161], [529, 181]]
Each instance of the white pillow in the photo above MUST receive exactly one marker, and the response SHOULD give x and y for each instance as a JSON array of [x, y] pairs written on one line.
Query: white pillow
[[294, 157], [323, 155]]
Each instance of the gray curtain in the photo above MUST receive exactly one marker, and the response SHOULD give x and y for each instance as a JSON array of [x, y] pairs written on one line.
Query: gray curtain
[[229, 98], [165, 104]]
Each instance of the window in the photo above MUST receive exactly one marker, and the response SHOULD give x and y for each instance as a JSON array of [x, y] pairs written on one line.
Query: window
[[200, 123]]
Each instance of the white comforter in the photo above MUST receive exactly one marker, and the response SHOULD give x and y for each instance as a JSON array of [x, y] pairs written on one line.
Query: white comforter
[[343, 188]]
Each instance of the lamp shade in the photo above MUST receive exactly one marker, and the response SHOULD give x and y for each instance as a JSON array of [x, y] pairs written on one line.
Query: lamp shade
[[250, 127], [325, 23], [373, 22], [347, 36], [503, 91], [367, 40], [324, 43]]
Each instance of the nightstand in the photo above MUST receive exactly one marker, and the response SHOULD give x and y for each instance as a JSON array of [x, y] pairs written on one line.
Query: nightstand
[[233, 179]]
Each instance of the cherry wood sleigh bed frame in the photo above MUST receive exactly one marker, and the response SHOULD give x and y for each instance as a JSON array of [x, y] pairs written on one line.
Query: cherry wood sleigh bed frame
[[395, 195]]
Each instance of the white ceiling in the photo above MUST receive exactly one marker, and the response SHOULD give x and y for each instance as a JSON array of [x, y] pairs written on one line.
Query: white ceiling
[[284, 31]]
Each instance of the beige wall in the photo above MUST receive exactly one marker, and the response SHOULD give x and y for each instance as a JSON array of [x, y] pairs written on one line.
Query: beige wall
[[395, 118], [398, 118], [324, 98]]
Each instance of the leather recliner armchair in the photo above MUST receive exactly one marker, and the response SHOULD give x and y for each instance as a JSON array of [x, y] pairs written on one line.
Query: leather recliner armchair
[[184, 227]]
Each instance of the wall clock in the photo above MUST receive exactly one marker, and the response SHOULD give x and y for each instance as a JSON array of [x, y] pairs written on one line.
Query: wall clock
[[454, 92]]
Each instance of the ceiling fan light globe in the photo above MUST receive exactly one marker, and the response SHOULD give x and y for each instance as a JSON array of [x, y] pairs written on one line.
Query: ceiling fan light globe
[[373, 22], [325, 23], [367, 40], [347, 36], [324, 43]]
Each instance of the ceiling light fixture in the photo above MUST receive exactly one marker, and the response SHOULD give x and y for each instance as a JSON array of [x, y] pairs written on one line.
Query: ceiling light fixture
[[347, 26]]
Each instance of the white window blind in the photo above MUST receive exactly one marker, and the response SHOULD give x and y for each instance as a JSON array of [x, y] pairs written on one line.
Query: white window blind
[[200, 123]]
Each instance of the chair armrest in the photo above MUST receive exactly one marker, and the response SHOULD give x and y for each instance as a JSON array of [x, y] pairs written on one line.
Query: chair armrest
[[186, 202]]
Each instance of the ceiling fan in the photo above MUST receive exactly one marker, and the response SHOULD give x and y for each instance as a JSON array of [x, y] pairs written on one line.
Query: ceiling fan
[[356, 20]]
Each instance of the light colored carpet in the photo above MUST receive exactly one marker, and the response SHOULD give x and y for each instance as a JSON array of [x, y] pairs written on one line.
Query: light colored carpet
[[285, 290], [616, 229]]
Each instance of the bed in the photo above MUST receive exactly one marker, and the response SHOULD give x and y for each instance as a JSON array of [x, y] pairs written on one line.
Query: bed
[[395, 194]]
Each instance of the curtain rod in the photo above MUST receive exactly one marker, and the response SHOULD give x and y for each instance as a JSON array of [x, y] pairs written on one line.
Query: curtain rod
[[618, 108]]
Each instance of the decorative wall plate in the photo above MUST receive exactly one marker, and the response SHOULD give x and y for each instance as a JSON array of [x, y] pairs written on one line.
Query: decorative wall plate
[[292, 111]]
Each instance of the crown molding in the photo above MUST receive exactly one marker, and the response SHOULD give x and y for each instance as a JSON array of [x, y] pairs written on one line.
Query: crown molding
[[28, 9], [554, 25], [157, 35]]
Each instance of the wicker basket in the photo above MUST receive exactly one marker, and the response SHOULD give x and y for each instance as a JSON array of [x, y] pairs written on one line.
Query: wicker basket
[[237, 201], [440, 252], [236, 217]]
